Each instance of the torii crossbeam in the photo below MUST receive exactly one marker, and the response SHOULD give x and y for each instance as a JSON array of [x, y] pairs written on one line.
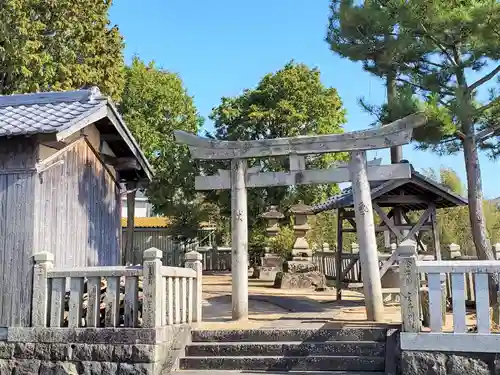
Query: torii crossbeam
[[239, 178]]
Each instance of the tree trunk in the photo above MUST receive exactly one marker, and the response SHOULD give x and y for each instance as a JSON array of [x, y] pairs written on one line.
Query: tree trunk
[[474, 183], [129, 242], [396, 151], [476, 210]]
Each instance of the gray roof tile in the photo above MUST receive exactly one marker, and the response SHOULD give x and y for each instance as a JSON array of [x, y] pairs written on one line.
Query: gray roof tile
[[27, 114]]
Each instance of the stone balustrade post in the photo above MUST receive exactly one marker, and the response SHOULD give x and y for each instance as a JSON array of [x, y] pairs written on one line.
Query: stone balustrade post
[[44, 261], [193, 261], [354, 248], [496, 250], [151, 288], [409, 286], [326, 247], [454, 251]]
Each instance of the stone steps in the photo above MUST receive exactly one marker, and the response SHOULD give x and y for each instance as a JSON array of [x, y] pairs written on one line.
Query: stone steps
[[281, 363], [377, 334], [286, 348], [256, 372], [325, 351]]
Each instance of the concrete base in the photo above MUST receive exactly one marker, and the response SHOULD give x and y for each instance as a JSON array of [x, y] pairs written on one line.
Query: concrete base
[[447, 363], [265, 273], [305, 280]]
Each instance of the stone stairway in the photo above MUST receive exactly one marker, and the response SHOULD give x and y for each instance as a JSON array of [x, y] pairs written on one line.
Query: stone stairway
[[353, 351]]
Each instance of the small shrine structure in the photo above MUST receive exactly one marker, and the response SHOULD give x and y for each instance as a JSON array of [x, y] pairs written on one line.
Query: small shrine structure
[[392, 200]]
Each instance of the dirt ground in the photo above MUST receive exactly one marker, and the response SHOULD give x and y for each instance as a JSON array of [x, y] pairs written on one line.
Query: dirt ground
[[270, 307]]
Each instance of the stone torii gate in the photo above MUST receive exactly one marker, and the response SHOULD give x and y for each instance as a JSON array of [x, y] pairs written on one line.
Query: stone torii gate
[[240, 177]]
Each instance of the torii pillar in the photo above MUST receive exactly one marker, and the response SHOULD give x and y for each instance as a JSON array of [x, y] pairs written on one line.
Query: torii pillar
[[239, 240], [365, 230]]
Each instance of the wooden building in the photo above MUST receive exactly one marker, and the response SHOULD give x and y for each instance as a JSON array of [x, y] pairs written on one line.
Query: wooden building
[[393, 200], [63, 156]]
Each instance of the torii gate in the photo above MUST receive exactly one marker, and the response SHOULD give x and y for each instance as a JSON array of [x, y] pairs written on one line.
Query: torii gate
[[239, 178]]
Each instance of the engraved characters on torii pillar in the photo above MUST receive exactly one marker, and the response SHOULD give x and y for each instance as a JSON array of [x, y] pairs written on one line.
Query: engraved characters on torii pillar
[[240, 177]]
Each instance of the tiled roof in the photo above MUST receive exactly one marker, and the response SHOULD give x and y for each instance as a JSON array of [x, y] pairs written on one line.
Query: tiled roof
[[148, 222], [52, 112]]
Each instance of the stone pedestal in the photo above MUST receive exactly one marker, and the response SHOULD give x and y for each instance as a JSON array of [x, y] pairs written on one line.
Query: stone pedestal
[[300, 272], [271, 264]]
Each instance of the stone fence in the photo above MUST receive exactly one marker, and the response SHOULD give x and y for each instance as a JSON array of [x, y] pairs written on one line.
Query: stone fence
[[446, 345], [109, 320]]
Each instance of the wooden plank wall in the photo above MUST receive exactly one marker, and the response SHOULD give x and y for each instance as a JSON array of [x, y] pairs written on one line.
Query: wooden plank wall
[[17, 181], [145, 238], [78, 206]]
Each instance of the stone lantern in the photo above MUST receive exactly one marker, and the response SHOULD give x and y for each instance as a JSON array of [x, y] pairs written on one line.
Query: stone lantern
[[300, 272], [271, 263], [301, 250], [272, 216]]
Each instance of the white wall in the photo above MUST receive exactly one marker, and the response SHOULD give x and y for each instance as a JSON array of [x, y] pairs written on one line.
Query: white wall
[[142, 208]]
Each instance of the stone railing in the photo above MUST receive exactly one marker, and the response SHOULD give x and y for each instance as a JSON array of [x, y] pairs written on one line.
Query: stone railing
[[458, 338], [149, 296]]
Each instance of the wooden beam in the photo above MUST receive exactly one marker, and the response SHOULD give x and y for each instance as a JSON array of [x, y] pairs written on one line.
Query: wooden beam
[[392, 227], [397, 133], [348, 214], [120, 164], [338, 255], [303, 177], [352, 221], [389, 262], [384, 228], [402, 199], [55, 144], [420, 223], [435, 235], [110, 137]]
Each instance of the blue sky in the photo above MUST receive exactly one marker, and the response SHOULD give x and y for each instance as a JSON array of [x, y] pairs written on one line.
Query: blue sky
[[221, 47]]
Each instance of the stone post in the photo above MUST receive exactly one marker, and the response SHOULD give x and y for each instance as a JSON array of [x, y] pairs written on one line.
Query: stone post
[[301, 250], [354, 248], [151, 288], [239, 231], [454, 251], [193, 261], [44, 261], [496, 250], [326, 247], [409, 286], [365, 229]]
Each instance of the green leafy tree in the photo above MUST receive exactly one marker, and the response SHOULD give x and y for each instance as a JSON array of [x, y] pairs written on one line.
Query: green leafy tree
[[59, 45], [451, 180], [438, 45], [290, 102], [453, 223], [154, 104]]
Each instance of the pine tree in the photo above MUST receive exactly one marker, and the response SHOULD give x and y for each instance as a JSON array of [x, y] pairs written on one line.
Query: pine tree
[[436, 46]]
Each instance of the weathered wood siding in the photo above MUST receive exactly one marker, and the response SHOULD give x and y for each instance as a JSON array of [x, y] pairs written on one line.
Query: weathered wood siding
[[145, 238], [17, 181], [78, 204]]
